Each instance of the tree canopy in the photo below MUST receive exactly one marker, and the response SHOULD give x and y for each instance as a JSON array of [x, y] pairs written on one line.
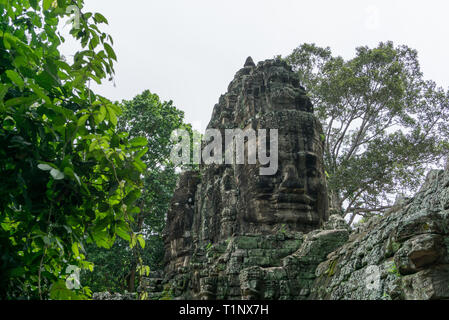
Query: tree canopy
[[149, 117], [384, 124]]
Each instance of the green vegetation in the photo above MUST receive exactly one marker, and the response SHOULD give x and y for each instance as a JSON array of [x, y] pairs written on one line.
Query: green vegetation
[[331, 270], [208, 247], [144, 116], [69, 176], [167, 294], [283, 229], [394, 270]]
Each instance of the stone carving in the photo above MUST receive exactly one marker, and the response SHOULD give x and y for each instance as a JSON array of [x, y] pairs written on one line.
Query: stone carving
[[234, 207], [235, 234], [402, 255], [178, 233], [236, 198]]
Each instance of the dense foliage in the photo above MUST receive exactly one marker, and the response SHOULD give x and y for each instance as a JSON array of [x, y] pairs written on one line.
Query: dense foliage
[[113, 267], [144, 116], [384, 124], [68, 175]]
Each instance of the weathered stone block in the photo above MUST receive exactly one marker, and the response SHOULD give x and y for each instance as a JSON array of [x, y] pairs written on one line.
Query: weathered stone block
[[419, 252], [427, 284], [247, 242]]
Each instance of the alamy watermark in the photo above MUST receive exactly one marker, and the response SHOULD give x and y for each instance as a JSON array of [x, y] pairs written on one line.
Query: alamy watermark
[[235, 143], [372, 21], [73, 280], [75, 18]]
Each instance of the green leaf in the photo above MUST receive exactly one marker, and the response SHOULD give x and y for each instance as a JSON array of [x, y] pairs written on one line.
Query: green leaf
[[110, 51], [123, 231], [139, 165], [44, 167], [20, 61], [133, 241], [8, 39], [112, 116], [115, 107], [33, 4], [100, 114], [9, 123], [46, 80], [93, 145], [24, 101], [131, 197], [56, 174], [102, 239], [40, 93], [115, 141], [59, 291], [138, 142], [15, 78], [141, 153], [93, 43], [134, 210], [47, 4], [70, 173], [100, 18], [75, 249], [82, 120], [141, 241], [3, 90]]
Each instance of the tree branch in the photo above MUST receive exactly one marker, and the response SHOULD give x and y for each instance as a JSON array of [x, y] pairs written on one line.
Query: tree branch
[[366, 210]]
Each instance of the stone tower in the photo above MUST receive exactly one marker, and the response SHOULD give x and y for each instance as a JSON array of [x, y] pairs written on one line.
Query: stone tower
[[233, 233], [224, 203]]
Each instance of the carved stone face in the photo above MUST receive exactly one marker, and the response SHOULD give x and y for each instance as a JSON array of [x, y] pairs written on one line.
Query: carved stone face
[[295, 197], [284, 91], [225, 201], [236, 199]]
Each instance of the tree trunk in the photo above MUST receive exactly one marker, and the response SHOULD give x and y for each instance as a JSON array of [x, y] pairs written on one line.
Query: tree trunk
[[132, 279], [351, 220], [132, 274], [335, 203]]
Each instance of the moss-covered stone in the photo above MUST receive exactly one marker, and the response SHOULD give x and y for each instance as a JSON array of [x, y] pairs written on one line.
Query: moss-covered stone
[[247, 242]]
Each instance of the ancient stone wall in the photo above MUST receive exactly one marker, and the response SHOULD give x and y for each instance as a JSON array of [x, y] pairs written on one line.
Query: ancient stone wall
[[402, 255], [235, 234], [228, 217]]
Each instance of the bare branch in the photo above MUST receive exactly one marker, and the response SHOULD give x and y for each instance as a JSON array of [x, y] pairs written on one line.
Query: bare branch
[[359, 210]]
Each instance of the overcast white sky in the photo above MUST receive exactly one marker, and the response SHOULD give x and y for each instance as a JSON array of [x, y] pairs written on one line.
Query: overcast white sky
[[188, 51]]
